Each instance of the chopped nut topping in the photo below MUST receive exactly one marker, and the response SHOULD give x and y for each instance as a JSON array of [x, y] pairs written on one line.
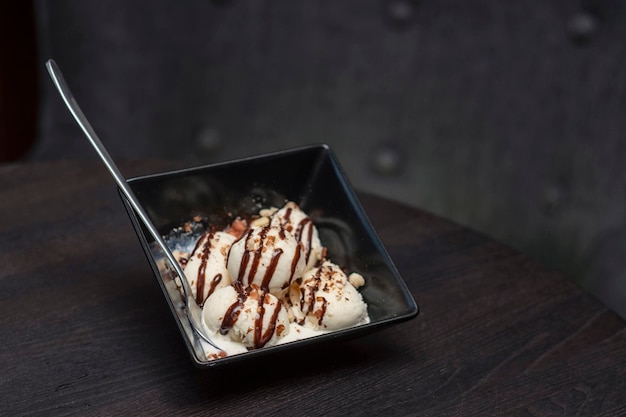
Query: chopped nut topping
[[260, 222], [237, 227], [268, 212], [356, 280]]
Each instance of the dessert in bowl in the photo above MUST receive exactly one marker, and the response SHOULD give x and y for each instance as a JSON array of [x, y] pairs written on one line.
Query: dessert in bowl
[[279, 252]]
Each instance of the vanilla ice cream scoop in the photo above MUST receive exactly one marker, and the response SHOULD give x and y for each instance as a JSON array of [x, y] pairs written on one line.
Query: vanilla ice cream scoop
[[299, 224], [206, 268], [325, 299], [247, 315], [269, 257]]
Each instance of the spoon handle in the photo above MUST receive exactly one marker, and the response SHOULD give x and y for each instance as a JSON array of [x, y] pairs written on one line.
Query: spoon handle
[[193, 310]]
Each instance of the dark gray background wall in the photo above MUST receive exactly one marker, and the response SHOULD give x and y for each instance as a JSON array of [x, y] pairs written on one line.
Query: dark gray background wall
[[506, 116]]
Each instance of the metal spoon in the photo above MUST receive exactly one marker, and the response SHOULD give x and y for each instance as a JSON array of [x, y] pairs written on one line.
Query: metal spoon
[[194, 312]]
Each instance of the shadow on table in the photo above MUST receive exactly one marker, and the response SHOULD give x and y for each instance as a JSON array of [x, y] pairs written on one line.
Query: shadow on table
[[307, 371]]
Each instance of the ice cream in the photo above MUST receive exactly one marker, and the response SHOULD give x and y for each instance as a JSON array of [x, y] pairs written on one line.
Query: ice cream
[[247, 314], [266, 280], [269, 257], [325, 299], [206, 267], [300, 225]]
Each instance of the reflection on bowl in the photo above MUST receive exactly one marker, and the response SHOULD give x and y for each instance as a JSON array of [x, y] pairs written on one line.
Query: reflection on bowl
[[310, 176]]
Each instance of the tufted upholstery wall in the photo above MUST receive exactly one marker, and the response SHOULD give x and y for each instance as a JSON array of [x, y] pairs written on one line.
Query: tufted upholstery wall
[[505, 116]]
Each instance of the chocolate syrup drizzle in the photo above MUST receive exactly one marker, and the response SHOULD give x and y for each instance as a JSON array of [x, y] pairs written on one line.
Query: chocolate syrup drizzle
[[232, 314], [256, 259], [309, 300], [298, 234], [243, 285], [205, 240]]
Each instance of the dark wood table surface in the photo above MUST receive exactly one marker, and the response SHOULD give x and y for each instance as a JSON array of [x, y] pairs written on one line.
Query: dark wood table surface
[[85, 330]]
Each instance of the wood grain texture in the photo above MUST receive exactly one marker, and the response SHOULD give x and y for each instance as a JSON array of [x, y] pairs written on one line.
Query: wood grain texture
[[85, 329]]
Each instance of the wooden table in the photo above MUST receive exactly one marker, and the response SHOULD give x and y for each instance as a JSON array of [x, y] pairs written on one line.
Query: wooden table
[[85, 329]]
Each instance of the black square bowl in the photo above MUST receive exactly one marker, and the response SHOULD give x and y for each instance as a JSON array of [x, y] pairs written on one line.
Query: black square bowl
[[310, 176]]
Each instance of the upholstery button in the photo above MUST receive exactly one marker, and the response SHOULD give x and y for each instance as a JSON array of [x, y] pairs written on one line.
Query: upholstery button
[[581, 27], [399, 13], [208, 140], [386, 159]]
